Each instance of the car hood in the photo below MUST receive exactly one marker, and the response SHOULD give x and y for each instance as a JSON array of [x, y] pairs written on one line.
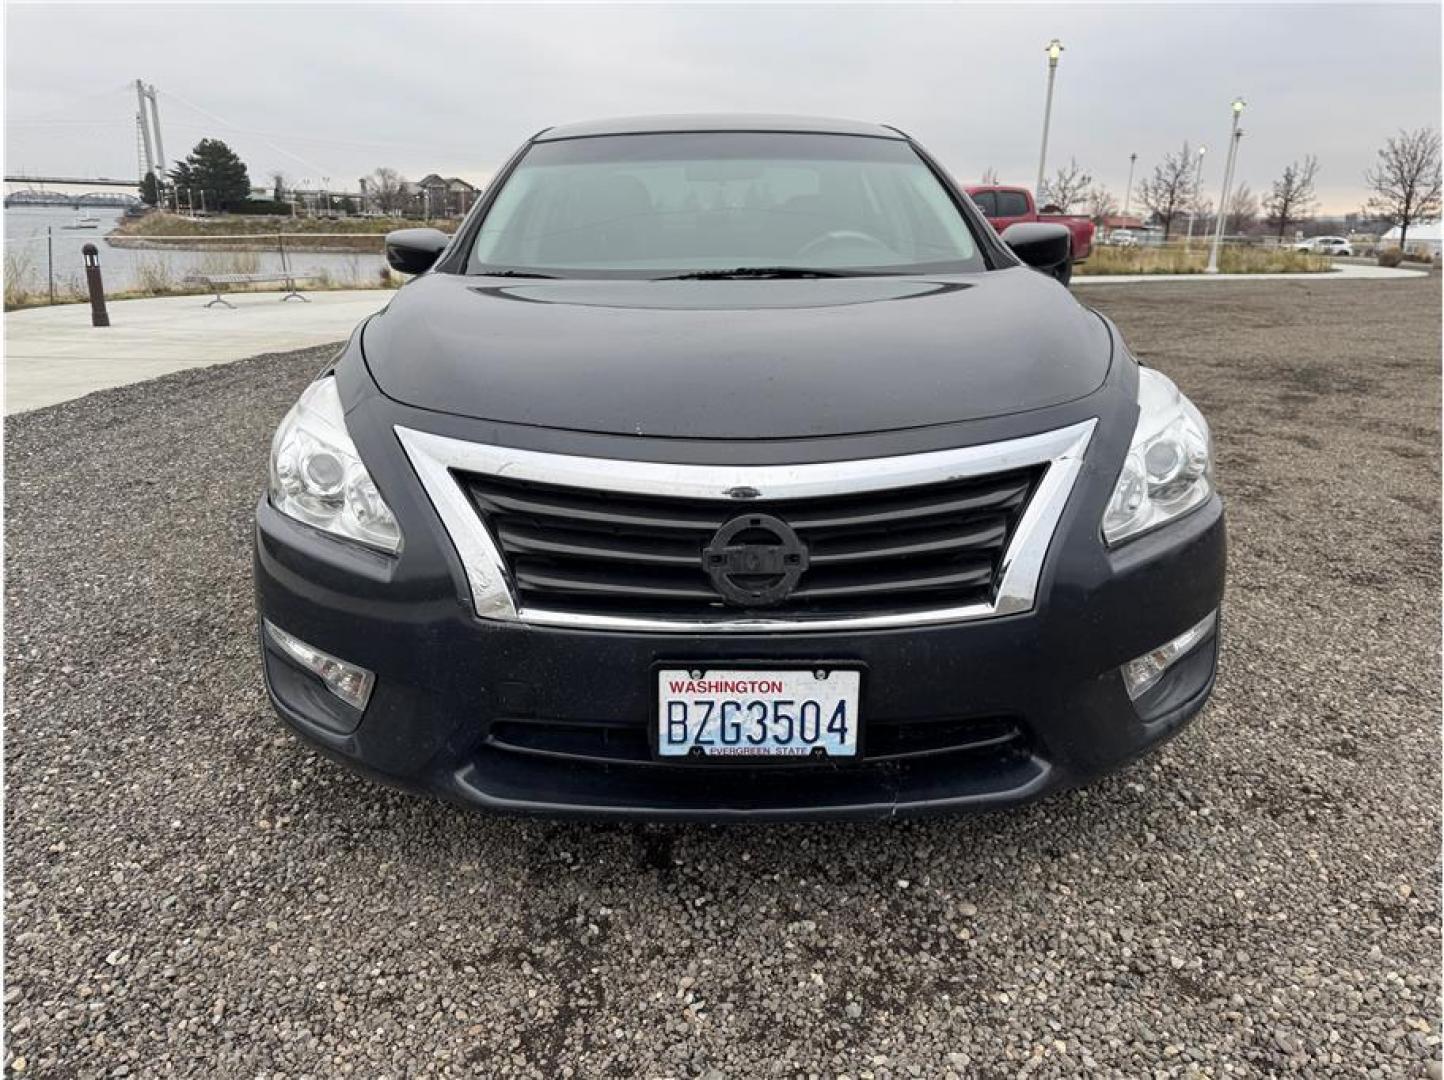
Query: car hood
[[737, 359]]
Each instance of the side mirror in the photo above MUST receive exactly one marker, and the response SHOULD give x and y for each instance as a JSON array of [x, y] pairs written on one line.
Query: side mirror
[[1041, 246], [413, 251]]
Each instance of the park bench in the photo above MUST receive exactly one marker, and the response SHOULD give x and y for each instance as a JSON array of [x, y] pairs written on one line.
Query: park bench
[[214, 282]]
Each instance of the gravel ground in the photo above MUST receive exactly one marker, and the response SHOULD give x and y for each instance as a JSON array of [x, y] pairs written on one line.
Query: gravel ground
[[190, 891]]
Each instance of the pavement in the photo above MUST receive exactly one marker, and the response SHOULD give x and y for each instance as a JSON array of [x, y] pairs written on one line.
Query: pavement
[[53, 354], [190, 891]]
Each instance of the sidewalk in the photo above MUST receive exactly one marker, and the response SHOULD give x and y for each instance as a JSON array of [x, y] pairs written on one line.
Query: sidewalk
[[53, 354]]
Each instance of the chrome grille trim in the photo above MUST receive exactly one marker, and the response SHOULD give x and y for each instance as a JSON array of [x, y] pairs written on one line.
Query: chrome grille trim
[[435, 456]]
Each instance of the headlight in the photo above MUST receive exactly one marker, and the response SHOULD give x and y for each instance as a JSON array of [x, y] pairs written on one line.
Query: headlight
[[1169, 469], [317, 476]]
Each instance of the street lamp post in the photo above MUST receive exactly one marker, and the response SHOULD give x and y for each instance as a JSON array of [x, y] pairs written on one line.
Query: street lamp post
[[1128, 194], [1233, 137], [1054, 50], [1197, 191]]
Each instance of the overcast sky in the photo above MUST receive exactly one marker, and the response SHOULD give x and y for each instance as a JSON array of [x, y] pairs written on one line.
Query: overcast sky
[[334, 91]]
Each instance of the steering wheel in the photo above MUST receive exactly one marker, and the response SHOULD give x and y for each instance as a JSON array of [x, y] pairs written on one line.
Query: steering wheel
[[840, 236]]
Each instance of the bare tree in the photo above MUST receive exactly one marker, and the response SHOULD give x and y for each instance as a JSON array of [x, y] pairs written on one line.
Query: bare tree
[[1242, 210], [1066, 188], [1101, 203], [388, 188], [1171, 188], [1204, 216], [1292, 198], [990, 177], [1406, 180]]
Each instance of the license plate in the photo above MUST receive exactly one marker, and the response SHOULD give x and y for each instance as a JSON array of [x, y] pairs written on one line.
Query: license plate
[[729, 713]]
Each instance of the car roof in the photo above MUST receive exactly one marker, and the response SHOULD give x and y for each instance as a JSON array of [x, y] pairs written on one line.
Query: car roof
[[647, 125]]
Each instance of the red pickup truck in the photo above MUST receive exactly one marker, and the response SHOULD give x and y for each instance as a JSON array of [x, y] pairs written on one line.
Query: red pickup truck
[[1004, 206]]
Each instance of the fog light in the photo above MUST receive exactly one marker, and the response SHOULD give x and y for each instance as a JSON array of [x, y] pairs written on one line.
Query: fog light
[[1142, 674], [348, 682]]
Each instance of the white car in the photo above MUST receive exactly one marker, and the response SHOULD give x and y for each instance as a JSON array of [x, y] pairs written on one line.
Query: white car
[[1326, 245]]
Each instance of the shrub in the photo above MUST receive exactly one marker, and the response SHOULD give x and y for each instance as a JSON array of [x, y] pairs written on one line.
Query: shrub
[[1391, 257], [1419, 257], [260, 206]]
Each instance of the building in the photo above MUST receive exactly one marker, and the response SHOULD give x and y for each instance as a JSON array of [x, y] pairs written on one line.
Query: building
[[443, 197], [1120, 221], [1423, 238]]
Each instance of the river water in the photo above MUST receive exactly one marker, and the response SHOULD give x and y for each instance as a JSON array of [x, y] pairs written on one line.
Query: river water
[[129, 268]]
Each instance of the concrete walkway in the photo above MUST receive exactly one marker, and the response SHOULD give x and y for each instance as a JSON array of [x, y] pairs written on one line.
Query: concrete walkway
[[53, 354], [1340, 272]]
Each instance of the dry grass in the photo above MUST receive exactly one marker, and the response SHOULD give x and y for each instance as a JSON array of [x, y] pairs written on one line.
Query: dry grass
[[230, 262], [154, 276], [25, 286], [1175, 259], [163, 224], [231, 232], [76, 296], [20, 276]]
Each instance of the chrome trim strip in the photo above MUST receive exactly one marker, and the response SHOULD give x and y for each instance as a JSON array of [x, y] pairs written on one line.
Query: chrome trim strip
[[435, 456]]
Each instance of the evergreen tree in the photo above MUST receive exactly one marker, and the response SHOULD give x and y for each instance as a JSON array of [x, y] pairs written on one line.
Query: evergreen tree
[[214, 169], [149, 190]]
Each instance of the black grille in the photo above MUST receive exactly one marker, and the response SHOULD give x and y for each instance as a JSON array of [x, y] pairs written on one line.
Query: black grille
[[621, 743], [905, 549]]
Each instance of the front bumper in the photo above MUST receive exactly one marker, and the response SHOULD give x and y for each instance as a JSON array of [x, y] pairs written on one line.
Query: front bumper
[[521, 718]]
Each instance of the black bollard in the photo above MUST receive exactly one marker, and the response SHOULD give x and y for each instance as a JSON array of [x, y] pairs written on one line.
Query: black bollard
[[98, 317]]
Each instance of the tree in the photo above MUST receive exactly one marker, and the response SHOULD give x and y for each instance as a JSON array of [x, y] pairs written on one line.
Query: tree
[[388, 188], [1171, 188], [1291, 199], [1406, 180], [1066, 188], [990, 177], [1101, 204], [150, 190], [278, 186], [1242, 210], [216, 177], [1204, 217]]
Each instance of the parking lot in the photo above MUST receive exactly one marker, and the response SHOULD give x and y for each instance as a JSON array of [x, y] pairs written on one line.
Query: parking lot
[[192, 891]]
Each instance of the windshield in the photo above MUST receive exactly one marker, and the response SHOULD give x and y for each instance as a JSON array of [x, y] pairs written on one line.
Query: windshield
[[711, 203]]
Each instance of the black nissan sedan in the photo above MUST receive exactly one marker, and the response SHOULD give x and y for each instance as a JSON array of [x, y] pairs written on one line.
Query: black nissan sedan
[[734, 467]]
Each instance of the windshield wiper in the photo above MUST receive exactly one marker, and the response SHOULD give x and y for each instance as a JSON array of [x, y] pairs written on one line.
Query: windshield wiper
[[756, 272], [513, 273]]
